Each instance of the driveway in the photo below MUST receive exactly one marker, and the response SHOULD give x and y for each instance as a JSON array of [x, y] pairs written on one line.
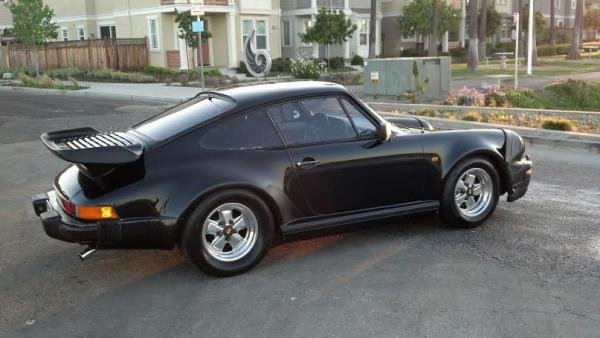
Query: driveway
[[532, 270]]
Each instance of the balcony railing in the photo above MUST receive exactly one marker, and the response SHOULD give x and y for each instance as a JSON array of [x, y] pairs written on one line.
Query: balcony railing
[[206, 2], [336, 4]]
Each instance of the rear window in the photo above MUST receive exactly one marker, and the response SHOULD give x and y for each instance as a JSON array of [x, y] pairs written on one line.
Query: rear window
[[183, 117]]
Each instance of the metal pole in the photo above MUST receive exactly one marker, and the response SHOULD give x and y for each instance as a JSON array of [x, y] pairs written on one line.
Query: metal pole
[[517, 51], [530, 38], [201, 61]]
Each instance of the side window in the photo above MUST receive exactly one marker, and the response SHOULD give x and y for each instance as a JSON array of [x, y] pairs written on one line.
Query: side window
[[248, 130], [313, 121], [363, 125]]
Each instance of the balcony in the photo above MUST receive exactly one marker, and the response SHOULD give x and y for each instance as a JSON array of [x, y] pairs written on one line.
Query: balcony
[[206, 2]]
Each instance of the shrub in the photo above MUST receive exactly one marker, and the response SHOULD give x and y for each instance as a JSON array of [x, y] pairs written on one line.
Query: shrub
[[558, 124], [574, 94], [27, 80], [336, 62], [458, 54], [467, 96], [471, 116], [242, 69], [524, 98], [65, 73], [549, 50], [184, 79], [495, 97], [195, 74], [357, 60], [429, 112], [154, 70], [74, 83], [413, 52], [343, 78], [307, 69], [281, 65]]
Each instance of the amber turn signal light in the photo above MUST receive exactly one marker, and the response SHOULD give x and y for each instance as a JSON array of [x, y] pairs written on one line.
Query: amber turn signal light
[[94, 213]]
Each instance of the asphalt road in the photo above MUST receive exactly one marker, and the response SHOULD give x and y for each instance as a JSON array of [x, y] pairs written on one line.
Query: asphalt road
[[532, 270]]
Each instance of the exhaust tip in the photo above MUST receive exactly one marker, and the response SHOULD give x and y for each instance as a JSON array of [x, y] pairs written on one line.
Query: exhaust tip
[[86, 253]]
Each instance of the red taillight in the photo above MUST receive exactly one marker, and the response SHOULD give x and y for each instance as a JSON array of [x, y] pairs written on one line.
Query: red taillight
[[68, 206]]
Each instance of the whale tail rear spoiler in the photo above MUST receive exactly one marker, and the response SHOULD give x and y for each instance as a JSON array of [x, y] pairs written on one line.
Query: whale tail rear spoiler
[[88, 146]]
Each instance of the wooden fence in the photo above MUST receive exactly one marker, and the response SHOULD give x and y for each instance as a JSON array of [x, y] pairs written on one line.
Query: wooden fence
[[118, 54]]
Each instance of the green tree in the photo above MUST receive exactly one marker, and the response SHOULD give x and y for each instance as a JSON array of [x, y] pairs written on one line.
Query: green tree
[[330, 27], [184, 21], [416, 18], [591, 19], [493, 22], [32, 25]]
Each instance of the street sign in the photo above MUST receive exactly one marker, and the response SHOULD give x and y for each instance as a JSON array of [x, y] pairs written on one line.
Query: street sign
[[197, 26], [197, 7]]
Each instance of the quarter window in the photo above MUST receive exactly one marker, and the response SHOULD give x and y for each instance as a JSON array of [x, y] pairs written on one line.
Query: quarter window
[[253, 130], [363, 125]]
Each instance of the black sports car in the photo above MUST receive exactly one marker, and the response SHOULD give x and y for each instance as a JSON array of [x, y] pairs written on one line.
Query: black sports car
[[221, 174]]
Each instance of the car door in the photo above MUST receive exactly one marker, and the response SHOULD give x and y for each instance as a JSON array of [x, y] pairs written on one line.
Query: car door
[[340, 163]]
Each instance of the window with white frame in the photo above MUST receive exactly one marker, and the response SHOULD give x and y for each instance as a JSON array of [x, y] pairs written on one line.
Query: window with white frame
[[363, 37], [64, 33], [573, 4], [287, 34], [153, 33], [501, 2], [107, 31], [81, 33], [556, 3], [506, 30], [260, 26], [560, 23]]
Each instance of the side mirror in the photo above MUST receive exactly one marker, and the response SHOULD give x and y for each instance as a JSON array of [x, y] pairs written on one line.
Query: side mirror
[[384, 131]]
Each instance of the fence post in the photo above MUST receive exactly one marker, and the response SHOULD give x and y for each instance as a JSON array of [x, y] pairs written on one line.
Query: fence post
[[90, 54], [116, 47]]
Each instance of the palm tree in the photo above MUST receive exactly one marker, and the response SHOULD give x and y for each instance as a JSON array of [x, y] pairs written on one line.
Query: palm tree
[[473, 55], [373, 30], [577, 32], [433, 41], [483, 28], [552, 22]]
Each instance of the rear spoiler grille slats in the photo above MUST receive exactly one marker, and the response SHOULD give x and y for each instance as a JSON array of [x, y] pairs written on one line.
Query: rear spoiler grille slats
[[87, 145]]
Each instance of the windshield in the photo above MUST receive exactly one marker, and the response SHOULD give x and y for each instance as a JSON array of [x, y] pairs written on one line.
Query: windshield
[[183, 116]]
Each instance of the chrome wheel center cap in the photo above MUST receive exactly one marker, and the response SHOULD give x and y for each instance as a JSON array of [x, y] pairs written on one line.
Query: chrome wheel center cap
[[228, 231]]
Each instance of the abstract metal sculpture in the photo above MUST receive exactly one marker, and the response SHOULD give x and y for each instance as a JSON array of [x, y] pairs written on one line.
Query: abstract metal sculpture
[[258, 62]]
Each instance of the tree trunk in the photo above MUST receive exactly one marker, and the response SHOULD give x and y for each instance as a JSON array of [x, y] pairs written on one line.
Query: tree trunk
[[473, 55], [552, 22], [495, 37], [373, 30], [483, 28], [577, 32], [534, 56], [433, 38]]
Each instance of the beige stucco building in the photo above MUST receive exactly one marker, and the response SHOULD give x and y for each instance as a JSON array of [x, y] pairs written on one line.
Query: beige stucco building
[[5, 16], [228, 20]]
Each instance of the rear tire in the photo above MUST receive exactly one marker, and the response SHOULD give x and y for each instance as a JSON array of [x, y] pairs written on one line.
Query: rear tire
[[228, 233], [471, 192]]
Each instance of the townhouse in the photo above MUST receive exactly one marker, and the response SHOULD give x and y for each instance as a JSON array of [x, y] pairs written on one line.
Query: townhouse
[[297, 15], [229, 22]]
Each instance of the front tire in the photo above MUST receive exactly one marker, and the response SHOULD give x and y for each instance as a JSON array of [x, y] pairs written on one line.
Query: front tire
[[228, 233], [471, 193]]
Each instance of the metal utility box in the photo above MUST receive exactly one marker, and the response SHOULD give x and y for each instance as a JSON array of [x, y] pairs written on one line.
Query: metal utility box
[[394, 77]]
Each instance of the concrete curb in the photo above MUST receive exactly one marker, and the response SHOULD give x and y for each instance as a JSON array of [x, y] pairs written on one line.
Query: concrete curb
[[87, 93], [588, 142]]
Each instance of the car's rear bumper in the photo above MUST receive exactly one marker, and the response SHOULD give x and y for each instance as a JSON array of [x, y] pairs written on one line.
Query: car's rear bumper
[[154, 232], [519, 176]]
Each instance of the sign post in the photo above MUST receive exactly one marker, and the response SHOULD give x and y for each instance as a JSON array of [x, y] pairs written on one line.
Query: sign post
[[197, 9], [516, 16]]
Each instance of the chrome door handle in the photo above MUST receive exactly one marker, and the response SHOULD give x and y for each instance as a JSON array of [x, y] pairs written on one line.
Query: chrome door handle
[[307, 164]]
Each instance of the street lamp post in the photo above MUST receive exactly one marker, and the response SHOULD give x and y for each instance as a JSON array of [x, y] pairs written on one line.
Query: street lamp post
[[530, 41]]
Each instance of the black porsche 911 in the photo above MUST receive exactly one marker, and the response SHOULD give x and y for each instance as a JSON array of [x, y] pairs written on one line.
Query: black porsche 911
[[219, 175]]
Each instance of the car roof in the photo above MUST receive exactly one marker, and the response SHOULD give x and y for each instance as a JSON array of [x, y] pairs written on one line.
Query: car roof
[[247, 96]]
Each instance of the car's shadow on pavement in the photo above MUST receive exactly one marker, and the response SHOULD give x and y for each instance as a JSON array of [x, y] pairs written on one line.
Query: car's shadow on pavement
[[138, 279]]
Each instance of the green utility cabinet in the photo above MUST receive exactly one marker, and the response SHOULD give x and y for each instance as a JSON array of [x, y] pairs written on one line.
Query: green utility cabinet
[[394, 77]]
